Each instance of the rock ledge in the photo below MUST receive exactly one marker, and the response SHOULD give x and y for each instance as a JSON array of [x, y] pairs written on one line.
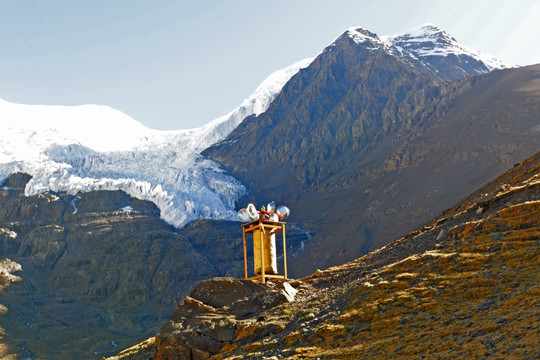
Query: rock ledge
[[207, 320]]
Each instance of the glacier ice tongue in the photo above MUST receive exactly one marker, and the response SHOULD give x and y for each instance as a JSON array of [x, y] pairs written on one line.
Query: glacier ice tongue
[[182, 184], [75, 149]]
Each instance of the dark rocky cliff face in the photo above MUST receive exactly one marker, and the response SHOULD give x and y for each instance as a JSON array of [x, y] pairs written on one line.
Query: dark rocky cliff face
[[91, 278], [364, 146], [350, 98]]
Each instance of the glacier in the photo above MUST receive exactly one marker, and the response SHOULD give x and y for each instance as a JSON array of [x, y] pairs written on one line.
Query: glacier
[[75, 149]]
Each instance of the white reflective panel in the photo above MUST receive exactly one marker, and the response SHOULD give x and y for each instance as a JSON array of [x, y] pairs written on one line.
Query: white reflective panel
[[271, 207], [243, 215], [283, 211], [252, 212]]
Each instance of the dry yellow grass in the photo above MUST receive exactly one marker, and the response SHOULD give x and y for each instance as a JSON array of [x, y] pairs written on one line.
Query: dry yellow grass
[[476, 296], [141, 351]]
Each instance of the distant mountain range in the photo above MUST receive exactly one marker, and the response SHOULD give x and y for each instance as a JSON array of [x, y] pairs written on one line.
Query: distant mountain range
[[364, 143]]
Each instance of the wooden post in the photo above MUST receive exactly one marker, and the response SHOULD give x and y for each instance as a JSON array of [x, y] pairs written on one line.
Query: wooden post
[[245, 254], [262, 254], [284, 252]]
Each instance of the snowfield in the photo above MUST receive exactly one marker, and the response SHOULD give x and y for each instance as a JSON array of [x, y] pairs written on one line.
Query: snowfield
[[75, 149]]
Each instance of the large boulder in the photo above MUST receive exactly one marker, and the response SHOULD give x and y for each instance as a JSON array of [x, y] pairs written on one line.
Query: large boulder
[[206, 320]]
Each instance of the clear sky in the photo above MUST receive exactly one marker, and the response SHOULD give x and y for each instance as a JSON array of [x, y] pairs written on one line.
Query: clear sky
[[180, 64]]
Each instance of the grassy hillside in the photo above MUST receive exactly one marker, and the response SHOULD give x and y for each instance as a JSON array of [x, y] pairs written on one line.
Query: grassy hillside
[[475, 294]]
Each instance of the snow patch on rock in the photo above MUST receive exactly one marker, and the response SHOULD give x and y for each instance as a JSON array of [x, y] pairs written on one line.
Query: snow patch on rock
[[7, 268]]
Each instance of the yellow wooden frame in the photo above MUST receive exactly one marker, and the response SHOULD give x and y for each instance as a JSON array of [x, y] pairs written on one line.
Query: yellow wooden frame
[[264, 225]]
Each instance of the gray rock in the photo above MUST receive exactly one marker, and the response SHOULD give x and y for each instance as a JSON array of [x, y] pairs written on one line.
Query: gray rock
[[203, 322], [441, 235]]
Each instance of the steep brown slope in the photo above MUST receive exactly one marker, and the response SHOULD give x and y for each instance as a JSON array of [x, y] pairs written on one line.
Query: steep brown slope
[[491, 124], [464, 285]]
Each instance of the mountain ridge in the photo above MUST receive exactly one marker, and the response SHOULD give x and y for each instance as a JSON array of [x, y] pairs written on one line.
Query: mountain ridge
[[91, 164]]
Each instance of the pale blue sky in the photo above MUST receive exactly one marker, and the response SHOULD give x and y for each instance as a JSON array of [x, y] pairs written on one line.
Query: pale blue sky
[[180, 64]]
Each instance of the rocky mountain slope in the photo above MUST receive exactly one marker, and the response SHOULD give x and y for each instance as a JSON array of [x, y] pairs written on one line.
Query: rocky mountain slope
[[98, 269], [93, 269], [464, 285], [370, 140]]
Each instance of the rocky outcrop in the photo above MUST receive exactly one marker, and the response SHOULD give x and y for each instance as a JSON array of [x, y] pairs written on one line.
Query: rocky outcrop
[[7, 268], [208, 319], [7, 277]]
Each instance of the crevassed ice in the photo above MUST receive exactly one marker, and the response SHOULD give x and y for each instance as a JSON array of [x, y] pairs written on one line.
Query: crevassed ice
[[84, 148]]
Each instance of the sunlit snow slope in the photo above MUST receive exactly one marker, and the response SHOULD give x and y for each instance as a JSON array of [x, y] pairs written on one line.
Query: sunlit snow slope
[[90, 147]]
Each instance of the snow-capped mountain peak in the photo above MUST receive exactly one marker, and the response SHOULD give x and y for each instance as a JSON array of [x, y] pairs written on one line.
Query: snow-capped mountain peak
[[428, 48], [427, 31], [361, 35], [428, 41]]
